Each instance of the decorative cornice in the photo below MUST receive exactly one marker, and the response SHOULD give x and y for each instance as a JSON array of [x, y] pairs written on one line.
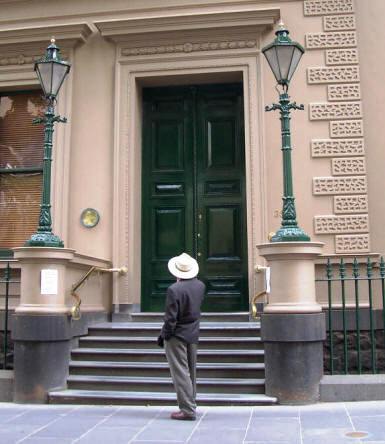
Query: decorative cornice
[[122, 30], [14, 40]]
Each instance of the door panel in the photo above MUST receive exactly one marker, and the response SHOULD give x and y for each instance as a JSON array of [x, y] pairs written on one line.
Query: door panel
[[168, 232], [222, 250], [194, 191], [167, 145], [223, 243]]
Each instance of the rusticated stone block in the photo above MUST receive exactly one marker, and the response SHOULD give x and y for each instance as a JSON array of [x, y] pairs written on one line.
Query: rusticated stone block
[[344, 92], [347, 166], [339, 22], [339, 185], [337, 147], [352, 243], [328, 111], [351, 204], [341, 224], [333, 74], [323, 7], [347, 128], [323, 40], [341, 56]]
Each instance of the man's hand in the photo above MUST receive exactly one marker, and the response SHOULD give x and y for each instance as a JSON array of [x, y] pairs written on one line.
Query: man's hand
[[160, 341]]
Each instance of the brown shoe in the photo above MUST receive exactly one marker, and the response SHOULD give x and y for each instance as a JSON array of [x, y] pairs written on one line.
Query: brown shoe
[[182, 416]]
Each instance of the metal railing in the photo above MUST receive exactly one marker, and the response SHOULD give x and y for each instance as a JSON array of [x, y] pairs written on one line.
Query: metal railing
[[75, 309], [7, 280], [355, 317]]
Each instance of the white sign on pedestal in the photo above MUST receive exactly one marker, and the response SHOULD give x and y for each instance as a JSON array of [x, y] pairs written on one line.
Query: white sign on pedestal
[[49, 280]]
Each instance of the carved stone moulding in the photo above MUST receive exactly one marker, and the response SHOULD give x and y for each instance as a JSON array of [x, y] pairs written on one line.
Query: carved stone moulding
[[341, 56], [339, 185], [339, 22], [346, 128], [341, 224], [323, 74], [324, 7], [337, 147], [323, 40], [328, 111], [351, 204], [344, 92], [348, 166], [352, 243], [188, 47], [20, 59]]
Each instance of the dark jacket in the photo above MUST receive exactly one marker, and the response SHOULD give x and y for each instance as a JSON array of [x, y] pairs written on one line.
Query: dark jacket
[[183, 310]]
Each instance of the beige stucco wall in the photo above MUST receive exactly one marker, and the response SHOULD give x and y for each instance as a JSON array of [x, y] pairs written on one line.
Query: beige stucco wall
[[91, 171], [98, 152], [372, 69]]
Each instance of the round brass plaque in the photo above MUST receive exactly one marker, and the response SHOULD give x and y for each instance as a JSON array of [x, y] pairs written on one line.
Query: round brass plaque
[[89, 218]]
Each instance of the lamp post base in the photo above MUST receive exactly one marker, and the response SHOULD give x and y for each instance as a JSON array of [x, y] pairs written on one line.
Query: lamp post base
[[44, 239], [290, 234]]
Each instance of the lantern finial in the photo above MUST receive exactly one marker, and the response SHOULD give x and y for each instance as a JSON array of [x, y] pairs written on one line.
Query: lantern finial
[[283, 56]]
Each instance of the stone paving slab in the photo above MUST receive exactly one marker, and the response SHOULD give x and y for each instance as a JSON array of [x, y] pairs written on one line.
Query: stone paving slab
[[316, 424]]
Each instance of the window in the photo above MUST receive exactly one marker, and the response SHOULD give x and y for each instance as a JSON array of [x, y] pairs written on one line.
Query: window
[[21, 166]]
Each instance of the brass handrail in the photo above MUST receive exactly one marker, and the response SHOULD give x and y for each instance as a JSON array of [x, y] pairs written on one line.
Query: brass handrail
[[75, 309], [254, 310]]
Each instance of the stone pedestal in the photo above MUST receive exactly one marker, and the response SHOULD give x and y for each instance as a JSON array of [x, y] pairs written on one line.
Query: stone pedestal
[[293, 325], [42, 326]]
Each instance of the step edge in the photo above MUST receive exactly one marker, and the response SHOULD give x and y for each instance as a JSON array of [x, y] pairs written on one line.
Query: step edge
[[157, 395], [161, 352], [224, 365], [162, 380]]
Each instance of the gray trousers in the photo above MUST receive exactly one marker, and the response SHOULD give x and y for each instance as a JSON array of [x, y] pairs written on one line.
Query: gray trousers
[[182, 359]]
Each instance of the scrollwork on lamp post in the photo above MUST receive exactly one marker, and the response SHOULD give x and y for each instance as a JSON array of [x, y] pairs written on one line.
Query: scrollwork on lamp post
[[51, 71], [283, 56]]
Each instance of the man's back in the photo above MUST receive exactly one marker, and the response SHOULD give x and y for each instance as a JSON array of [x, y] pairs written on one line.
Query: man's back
[[182, 315]]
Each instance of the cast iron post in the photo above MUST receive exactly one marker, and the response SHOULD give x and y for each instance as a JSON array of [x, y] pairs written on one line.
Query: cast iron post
[[289, 231], [44, 236]]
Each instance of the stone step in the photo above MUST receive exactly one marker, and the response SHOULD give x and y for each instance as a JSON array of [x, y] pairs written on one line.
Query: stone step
[[222, 370], [164, 384], [207, 329], [158, 355], [153, 398], [223, 342], [241, 316]]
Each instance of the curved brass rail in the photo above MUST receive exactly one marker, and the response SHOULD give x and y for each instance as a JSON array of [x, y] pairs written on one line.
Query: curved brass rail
[[75, 309], [254, 311]]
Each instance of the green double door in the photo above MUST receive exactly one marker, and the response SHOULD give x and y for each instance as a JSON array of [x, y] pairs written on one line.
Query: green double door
[[193, 192]]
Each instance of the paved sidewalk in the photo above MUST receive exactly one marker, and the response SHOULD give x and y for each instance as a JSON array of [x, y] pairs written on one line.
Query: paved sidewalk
[[316, 424]]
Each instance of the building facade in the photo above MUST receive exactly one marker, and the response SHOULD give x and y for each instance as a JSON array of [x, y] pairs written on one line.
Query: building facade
[[167, 138]]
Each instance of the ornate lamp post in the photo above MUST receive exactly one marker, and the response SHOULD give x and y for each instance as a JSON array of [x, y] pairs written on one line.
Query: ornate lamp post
[[283, 56], [51, 71]]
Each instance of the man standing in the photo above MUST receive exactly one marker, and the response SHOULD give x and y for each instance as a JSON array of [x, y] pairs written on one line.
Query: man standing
[[181, 331]]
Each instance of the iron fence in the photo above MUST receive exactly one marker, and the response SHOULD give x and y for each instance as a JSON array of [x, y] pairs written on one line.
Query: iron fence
[[9, 277], [355, 317]]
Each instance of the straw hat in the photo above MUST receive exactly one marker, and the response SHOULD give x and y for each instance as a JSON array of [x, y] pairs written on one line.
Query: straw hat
[[183, 266]]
